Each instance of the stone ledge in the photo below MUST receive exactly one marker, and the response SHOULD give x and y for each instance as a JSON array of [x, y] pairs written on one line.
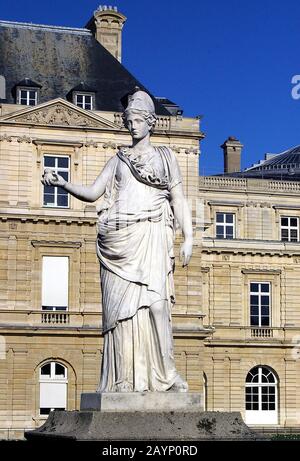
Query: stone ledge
[[141, 401]]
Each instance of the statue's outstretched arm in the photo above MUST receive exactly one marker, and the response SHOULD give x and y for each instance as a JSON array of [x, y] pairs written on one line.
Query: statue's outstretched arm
[[84, 193], [183, 215]]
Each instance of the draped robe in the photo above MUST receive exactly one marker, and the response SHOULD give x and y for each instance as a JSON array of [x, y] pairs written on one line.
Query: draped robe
[[135, 232]]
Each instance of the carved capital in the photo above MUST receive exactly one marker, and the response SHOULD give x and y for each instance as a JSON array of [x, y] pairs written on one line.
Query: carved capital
[[109, 145], [176, 149], [192, 150], [24, 139], [5, 137], [90, 143]]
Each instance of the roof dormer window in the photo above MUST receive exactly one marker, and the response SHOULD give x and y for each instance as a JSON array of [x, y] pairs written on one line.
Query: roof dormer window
[[83, 96], [27, 92], [27, 97], [85, 101]]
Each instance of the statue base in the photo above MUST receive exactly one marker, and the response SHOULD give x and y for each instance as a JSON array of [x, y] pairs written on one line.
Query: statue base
[[141, 401], [145, 416]]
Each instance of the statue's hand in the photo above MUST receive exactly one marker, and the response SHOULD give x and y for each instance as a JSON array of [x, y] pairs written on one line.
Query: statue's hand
[[186, 252], [50, 178]]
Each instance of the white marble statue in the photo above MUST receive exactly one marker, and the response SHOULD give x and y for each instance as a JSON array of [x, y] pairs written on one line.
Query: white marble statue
[[142, 188]]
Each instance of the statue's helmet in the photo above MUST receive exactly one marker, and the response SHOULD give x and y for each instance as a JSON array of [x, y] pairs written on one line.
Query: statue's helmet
[[140, 100]]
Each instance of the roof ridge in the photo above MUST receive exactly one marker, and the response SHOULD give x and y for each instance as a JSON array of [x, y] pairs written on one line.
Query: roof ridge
[[29, 25]]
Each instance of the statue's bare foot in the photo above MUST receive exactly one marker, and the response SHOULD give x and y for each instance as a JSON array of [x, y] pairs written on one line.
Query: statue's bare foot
[[179, 385]]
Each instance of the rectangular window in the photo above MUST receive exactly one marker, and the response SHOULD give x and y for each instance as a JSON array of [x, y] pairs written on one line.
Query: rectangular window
[[289, 229], [225, 225], [55, 283], [28, 97], [260, 304], [57, 196], [85, 101]]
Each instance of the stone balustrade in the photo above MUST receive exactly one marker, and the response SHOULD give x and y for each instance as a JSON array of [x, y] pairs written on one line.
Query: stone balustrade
[[223, 182]]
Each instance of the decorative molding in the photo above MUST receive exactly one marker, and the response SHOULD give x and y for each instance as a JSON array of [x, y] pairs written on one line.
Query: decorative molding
[[24, 139], [60, 113], [192, 150], [5, 137], [283, 253], [53, 243], [56, 142], [90, 143], [48, 219], [225, 203], [205, 269], [176, 149], [109, 145], [261, 271], [286, 207]]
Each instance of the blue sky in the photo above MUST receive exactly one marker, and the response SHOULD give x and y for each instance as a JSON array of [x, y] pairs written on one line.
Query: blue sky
[[231, 61]]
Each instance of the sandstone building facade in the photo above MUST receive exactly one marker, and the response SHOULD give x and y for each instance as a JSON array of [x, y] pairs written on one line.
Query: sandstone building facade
[[235, 322], [62, 109]]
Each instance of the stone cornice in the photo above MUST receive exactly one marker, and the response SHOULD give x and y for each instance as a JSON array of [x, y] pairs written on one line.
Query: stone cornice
[[55, 243], [225, 203], [286, 207], [261, 271], [49, 219], [53, 142]]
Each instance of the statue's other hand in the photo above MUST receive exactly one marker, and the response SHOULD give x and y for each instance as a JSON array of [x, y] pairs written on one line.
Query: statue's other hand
[[186, 252], [50, 178]]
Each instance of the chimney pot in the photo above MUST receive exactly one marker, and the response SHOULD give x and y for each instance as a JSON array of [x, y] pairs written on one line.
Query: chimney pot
[[106, 25]]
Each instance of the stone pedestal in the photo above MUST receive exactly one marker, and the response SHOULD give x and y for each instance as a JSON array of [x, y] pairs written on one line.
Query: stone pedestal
[[145, 416], [144, 401]]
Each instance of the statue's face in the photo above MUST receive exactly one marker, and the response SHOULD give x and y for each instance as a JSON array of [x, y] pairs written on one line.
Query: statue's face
[[137, 125]]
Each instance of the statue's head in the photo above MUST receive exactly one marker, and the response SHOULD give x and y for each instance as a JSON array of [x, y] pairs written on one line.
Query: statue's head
[[139, 116]]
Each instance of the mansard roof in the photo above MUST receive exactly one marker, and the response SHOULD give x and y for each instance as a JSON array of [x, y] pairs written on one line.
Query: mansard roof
[[58, 58]]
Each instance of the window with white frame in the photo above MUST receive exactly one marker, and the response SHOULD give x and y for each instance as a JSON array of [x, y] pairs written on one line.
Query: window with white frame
[[53, 387], [85, 101], [57, 196], [289, 229], [261, 396], [55, 283], [225, 225], [27, 97], [260, 304]]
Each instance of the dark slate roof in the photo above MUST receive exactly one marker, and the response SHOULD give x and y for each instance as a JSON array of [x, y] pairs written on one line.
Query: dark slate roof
[[59, 58], [29, 83], [84, 88], [284, 166], [171, 106]]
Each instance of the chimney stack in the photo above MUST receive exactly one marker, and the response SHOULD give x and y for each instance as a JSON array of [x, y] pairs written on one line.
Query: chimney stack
[[106, 25], [232, 155]]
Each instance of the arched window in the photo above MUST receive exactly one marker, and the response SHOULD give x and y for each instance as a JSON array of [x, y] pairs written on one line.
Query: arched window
[[261, 396], [53, 387]]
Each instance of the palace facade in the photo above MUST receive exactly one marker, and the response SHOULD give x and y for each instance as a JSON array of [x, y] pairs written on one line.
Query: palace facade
[[236, 321]]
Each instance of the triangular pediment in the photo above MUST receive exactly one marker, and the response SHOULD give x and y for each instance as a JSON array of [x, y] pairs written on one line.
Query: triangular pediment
[[58, 113]]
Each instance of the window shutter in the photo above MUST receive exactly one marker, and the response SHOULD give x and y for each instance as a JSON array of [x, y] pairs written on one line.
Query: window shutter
[[55, 281]]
